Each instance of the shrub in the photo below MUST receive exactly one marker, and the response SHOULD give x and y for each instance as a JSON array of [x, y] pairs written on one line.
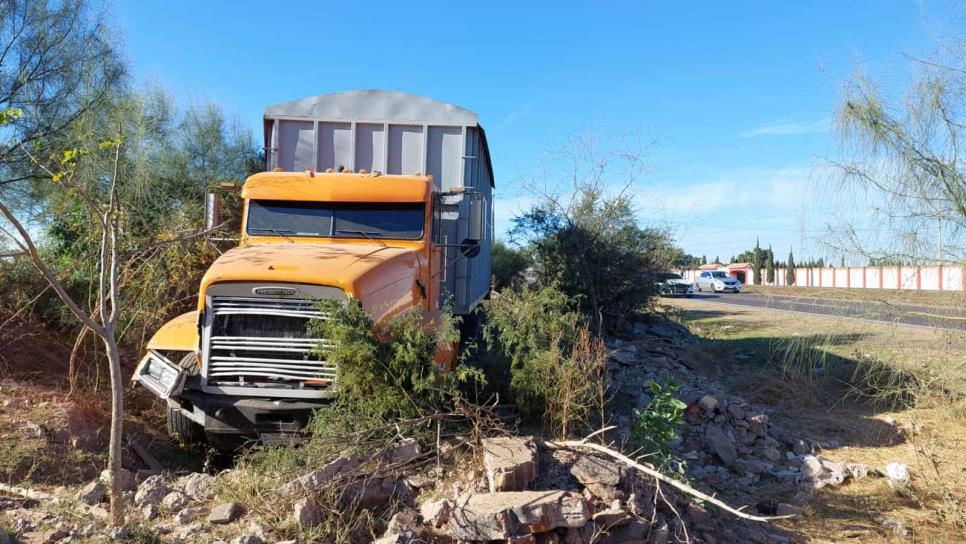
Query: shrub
[[596, 253], [387, 373], [558, 372], [508, 265], [658, 425]]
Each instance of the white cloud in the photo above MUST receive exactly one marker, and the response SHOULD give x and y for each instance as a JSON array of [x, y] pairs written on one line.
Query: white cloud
[[787, 128], [742, 189]]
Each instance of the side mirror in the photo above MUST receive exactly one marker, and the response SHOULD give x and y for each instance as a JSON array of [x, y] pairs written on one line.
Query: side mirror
[[212, 210], [475, 226], [476, 219], [222, 212]]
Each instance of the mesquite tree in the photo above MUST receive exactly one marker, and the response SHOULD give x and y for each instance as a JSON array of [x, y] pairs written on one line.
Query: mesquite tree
[[57, 63], [101, 200], [904, 154]]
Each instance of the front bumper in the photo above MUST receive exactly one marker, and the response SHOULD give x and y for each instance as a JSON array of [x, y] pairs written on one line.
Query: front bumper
[[232, 419], [270, 420], [729, 288]]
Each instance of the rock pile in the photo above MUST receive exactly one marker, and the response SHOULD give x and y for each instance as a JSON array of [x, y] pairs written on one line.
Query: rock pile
[[729, 445]]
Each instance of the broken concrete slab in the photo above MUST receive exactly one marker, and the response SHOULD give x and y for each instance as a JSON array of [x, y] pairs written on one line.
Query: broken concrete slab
[[436, 513], [502, 515], [613, 516], [402, 452], [510, 463], [721, 444], [225, 513], [599, 476], [313, 481], [307, 513]]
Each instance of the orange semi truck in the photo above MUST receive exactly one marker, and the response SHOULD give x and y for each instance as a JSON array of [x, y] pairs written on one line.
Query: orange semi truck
[[383, 197]]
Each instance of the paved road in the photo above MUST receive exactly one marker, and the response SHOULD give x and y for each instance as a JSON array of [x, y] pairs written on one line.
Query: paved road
[[907, 314]]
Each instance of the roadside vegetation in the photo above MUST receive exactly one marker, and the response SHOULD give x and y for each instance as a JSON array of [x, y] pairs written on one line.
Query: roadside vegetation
[[874, 392]]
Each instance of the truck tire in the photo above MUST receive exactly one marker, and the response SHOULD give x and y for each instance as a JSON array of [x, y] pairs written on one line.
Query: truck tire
[[183, 429]]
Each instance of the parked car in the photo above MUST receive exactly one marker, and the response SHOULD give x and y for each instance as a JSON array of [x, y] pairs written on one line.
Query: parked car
[[670, 284], [717, 281]]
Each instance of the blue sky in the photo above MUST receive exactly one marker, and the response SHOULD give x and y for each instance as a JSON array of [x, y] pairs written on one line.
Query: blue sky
[[731, 101]]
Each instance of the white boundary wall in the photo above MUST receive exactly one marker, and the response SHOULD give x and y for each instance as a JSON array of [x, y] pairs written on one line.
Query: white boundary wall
[[923, 278]]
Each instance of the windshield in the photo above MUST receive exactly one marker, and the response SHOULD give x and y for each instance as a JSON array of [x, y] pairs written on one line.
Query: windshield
[[669, 276], [719, 275], [335, 219]]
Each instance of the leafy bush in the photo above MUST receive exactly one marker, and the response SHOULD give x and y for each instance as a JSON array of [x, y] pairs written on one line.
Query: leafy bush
[[595, 252], [658, 425], [386, 373], [558, 373], [508, 265]]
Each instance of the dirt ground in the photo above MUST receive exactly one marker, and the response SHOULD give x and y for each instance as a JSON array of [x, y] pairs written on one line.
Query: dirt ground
[[809, 367], [53, 438]]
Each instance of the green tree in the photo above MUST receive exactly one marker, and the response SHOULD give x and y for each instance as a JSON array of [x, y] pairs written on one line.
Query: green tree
[[757, 262], [597, 254], [770, 266], [508, 265], [790, 269], [905, 149]]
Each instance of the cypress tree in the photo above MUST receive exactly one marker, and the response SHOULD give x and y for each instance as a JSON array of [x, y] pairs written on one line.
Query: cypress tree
[[770, 266], [790, 269]]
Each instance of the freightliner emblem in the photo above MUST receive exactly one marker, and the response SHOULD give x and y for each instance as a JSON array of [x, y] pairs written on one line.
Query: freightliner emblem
[[275, 291]]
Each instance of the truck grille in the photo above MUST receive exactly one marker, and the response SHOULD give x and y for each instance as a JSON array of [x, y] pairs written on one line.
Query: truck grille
[[264, 341]]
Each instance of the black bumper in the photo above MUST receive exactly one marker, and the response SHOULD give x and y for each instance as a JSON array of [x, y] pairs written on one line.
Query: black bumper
[[251, 418]]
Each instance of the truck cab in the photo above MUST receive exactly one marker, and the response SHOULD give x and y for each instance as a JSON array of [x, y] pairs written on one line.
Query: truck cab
[[349, 225]]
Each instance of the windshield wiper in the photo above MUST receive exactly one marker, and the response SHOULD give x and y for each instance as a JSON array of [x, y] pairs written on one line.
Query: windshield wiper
[[276, 232], [364, 233]]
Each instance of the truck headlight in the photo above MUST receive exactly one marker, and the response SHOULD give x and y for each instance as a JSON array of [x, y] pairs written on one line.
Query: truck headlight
[[159, 375]]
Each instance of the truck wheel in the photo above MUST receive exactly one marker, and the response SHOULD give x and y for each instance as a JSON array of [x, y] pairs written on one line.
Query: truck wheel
[[183, 429]]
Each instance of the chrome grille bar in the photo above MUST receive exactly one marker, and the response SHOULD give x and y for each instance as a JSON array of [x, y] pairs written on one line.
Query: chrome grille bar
[[251, 359], [266, 306]]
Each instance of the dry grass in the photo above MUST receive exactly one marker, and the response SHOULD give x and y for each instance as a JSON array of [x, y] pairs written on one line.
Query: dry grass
[[948, 299], [884, 393]]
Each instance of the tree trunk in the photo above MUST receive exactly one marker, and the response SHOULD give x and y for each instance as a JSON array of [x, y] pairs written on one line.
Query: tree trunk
[[117, 427]]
